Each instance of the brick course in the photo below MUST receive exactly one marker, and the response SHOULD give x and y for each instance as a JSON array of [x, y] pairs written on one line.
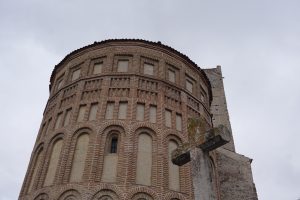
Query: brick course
[[111, 86]]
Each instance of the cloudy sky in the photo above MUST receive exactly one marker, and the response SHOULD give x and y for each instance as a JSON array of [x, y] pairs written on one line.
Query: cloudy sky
[[257, 43]]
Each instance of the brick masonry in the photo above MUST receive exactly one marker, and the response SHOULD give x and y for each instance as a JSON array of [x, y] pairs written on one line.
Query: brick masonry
[[132, 87]]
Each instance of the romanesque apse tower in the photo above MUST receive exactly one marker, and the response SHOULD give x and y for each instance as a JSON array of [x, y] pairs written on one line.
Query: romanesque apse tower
[[117, 109]]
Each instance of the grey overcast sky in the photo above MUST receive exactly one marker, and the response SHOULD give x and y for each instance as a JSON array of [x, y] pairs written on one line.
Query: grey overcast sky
[[256, 42]]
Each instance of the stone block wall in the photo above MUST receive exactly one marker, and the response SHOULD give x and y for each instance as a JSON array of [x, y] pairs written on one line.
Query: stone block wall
[[235, 176], [218, 106]]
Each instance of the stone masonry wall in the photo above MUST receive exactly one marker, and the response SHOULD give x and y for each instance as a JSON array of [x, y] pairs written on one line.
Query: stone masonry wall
[[235, 176], [234, 172], [218, 106]]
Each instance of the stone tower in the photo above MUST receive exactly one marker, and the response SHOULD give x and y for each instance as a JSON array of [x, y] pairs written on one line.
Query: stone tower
[[117, 109]]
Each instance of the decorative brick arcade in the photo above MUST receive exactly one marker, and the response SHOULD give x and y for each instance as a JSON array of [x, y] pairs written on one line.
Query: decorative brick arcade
[[117, 110]]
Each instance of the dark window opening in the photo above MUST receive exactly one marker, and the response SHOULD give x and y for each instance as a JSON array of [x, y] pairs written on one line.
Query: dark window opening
[[114, 145]]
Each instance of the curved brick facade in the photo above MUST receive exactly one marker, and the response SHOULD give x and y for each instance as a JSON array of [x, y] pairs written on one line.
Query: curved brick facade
[[135, 78], [116, 111]]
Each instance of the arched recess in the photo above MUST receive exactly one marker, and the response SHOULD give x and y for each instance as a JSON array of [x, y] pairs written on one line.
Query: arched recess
[[173, 195], [103, 138], [138, 190], [79, 157], [53, 161], [111, 154], [135, 132], [142, 196], [105, 194], [36, 168], [70, 195], [173, 170], [42, 196], [144, 159]]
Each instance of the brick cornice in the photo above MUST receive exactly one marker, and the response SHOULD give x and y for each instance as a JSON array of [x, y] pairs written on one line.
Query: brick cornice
[[130, 42]]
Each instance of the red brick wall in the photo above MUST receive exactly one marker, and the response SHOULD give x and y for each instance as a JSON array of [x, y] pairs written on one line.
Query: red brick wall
[[132, 86]]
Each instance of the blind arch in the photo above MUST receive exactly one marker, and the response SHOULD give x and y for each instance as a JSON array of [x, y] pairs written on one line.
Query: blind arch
[[144, 159], [36, 167], [174, 177], [53, 162], [79, 158]]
